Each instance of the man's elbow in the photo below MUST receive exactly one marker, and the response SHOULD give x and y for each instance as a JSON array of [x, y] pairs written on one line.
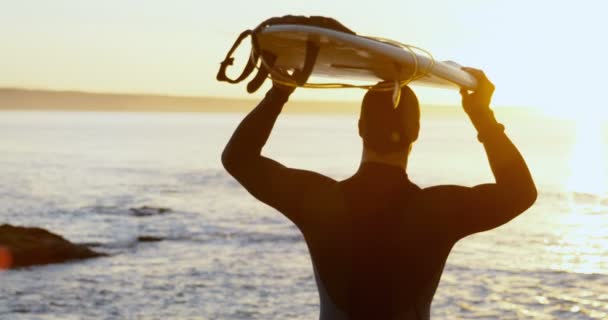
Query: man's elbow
[[236, 163], [531, 196], [517, 198], [527, 197], [229, 161]]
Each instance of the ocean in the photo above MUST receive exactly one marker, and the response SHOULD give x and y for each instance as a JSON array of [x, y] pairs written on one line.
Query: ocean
[[226, 256]]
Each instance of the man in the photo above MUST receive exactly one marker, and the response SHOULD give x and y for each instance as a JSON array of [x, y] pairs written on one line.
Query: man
[[378, 242]]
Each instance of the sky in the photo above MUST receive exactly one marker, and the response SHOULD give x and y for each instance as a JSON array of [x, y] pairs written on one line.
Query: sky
[[540, 54]]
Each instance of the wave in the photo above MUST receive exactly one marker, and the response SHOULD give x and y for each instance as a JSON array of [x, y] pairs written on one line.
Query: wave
[[208, 178], [545, 274]]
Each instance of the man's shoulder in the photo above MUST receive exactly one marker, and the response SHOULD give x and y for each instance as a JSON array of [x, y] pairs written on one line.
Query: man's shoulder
[[316, 178], [443, 198], [444, 189]]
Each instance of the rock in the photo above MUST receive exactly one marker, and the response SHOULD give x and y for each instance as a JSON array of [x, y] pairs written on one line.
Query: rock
[[149, 239], [149, 211], [23, 246]]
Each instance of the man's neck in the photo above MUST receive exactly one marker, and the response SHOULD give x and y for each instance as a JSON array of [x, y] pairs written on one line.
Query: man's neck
[[395, 159]]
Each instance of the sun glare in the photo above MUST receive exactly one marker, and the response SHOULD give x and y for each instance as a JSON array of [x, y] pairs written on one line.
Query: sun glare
[[588, 161], [582, 243]]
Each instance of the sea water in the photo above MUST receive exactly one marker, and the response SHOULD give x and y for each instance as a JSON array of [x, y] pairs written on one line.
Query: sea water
[[227, 256]]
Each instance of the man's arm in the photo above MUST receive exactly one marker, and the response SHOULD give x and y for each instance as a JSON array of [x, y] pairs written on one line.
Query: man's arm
[[267, 180], [487, 206]]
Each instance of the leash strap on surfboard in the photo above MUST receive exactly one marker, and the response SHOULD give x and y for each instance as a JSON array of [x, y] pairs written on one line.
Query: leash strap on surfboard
[[264, 61]]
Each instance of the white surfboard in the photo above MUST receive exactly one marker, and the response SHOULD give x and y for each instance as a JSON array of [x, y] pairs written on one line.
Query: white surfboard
[[350, 57]]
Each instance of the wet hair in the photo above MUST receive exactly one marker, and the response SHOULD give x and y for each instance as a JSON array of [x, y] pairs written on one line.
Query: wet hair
[[383, 127]]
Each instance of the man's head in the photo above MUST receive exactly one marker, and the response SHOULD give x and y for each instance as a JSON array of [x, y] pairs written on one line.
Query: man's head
[[386, 129]]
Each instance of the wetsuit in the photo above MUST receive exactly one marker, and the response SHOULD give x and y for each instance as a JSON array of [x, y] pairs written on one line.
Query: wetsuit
[[378, 242]]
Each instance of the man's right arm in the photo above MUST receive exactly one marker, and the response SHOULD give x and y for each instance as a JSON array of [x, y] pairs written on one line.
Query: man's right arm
[[487, 206]]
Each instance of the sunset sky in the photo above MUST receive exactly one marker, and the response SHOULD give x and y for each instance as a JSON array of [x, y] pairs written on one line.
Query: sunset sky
[[545, 54]]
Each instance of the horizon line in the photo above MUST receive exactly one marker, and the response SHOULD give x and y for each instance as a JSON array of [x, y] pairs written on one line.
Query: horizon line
[[179, 96]]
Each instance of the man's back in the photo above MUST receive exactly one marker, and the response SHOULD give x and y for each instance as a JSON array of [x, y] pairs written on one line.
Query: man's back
[[381, 253]]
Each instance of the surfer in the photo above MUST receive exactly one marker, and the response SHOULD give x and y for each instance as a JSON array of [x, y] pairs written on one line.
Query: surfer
[[378, 242]]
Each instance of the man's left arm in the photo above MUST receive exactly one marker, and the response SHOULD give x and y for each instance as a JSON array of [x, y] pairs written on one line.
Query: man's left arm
[[267, 180]]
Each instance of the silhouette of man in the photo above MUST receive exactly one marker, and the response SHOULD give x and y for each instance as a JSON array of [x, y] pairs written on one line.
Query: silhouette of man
[[378, 242]]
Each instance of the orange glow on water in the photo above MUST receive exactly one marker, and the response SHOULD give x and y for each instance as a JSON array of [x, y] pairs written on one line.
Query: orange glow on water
[[6, 258]]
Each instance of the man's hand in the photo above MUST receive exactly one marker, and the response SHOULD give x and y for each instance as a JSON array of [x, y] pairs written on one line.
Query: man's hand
[[477, 105], [479, 100]]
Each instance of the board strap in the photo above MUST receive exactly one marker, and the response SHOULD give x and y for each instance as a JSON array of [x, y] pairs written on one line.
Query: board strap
[[229, 60], [300, 77]]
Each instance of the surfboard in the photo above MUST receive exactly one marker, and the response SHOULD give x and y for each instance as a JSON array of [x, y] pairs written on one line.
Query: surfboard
[[344, 56]]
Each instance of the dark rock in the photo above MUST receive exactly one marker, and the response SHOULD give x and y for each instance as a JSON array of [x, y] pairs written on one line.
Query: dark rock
[[148, 211], [149, 239], [22, 247]]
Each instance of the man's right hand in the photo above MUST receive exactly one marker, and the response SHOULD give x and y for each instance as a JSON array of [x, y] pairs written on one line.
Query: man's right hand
[[477, 101]]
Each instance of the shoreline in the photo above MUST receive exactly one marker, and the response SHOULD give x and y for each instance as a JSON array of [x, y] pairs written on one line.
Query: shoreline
[[15, 100]]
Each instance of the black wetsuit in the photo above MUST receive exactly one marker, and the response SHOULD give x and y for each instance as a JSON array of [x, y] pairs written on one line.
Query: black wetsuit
[[378, 242]]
